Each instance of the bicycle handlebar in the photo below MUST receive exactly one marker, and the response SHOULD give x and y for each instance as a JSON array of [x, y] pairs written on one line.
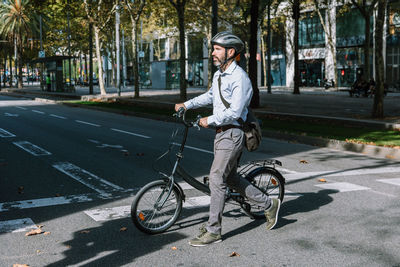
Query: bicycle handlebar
[[181, 113]]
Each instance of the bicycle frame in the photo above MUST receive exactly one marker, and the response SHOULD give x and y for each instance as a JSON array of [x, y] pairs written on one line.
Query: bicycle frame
[[177, 169]]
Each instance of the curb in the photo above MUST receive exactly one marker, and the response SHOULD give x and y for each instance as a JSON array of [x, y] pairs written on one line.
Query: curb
[[369, 150]]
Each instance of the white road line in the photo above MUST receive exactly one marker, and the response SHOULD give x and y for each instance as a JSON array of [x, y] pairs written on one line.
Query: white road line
[[21, 108], [4, 133], [195, 202], [393, 181], [90, 180], [10, 114], [97, 258], [290, 194], [87, 123], [107, 214], [59, 117], [32, 149], [37, 111], [195, 148], [341, 173], [45, 202], [343, 187], [285, 170], [130, 133], [18, 225]]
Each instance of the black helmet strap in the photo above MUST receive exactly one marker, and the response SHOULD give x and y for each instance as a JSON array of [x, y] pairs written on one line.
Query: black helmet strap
[[226, 57]]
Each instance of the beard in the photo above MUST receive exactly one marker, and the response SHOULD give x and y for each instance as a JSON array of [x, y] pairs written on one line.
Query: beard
[[217, 61]]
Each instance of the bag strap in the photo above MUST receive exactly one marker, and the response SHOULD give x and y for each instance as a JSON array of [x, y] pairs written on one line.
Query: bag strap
[[226, 104]]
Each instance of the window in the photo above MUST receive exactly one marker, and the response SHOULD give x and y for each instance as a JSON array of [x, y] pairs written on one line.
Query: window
[[311, 32]]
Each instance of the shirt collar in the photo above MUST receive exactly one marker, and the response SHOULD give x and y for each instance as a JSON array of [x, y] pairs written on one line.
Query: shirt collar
[[230, 69]]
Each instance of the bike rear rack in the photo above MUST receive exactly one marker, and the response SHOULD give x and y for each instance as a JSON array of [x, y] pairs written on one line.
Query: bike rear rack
[[243, 170]]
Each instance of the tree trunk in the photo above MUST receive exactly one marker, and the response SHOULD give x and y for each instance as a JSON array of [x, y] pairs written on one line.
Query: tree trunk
[[255, 100], [11, 73], [296, 16], [182, 59], [377, 111], [135, 57], [19, 62], [99, 62], [366, 47]]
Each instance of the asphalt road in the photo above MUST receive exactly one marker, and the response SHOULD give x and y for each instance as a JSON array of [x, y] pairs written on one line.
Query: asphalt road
[[75, 171]]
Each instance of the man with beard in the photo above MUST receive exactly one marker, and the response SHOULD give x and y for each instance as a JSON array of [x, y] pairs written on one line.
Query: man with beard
[[230, 95]]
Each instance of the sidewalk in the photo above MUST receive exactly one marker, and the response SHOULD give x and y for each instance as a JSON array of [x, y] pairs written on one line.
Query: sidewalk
[[313, 103]]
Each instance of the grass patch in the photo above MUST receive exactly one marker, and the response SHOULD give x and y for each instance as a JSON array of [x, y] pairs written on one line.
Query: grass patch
[[371, 136], [313, 127]]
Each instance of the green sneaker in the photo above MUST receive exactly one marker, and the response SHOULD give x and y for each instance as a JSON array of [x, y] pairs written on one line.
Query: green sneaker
[[272, 213], [205, 238]]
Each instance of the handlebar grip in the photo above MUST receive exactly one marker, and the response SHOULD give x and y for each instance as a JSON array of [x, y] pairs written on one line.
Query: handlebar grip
[[181, 111]]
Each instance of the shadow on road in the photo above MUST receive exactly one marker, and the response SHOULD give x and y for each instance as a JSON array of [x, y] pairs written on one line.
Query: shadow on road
[[305, 203], [110, 245]]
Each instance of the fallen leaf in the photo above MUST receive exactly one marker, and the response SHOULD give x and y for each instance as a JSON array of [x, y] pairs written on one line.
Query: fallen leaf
[[304, 161], [84, 232], [174, 248], [123, 229], [46, 233], [322, 180], [34, 232], [20, 265], [234, 254]]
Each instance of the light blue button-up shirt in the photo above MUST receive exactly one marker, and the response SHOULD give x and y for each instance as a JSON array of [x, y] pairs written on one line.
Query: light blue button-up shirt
[[237, 91]]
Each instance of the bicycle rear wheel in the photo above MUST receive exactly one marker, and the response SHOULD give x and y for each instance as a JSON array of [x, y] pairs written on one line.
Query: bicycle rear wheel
[[270, 182], [151, 212]]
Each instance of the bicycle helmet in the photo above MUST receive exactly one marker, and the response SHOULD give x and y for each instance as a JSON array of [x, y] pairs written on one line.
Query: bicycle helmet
[[228, 40]]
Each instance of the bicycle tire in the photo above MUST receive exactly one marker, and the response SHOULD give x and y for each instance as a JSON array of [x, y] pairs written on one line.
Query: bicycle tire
[[147, 217], [270, 182]]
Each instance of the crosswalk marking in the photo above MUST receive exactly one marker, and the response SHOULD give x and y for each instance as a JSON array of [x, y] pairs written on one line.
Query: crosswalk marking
[[18, 225], [32, 149], [90, 180], [342, 187], [4, 133], [45, 202], [106, 214]]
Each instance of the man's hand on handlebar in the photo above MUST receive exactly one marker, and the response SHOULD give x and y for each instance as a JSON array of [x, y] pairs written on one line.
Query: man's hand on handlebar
[[178, 106], [203, 122]]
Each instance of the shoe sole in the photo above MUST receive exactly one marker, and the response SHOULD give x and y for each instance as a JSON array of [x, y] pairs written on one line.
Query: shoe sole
[[203, 245], [276, 216]]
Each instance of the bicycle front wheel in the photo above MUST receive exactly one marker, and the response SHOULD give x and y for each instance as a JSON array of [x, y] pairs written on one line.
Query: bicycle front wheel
[[270, 182], [153, 211]]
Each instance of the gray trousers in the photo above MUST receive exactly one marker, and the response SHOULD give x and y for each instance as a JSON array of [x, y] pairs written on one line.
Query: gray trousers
[[228, 146]]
